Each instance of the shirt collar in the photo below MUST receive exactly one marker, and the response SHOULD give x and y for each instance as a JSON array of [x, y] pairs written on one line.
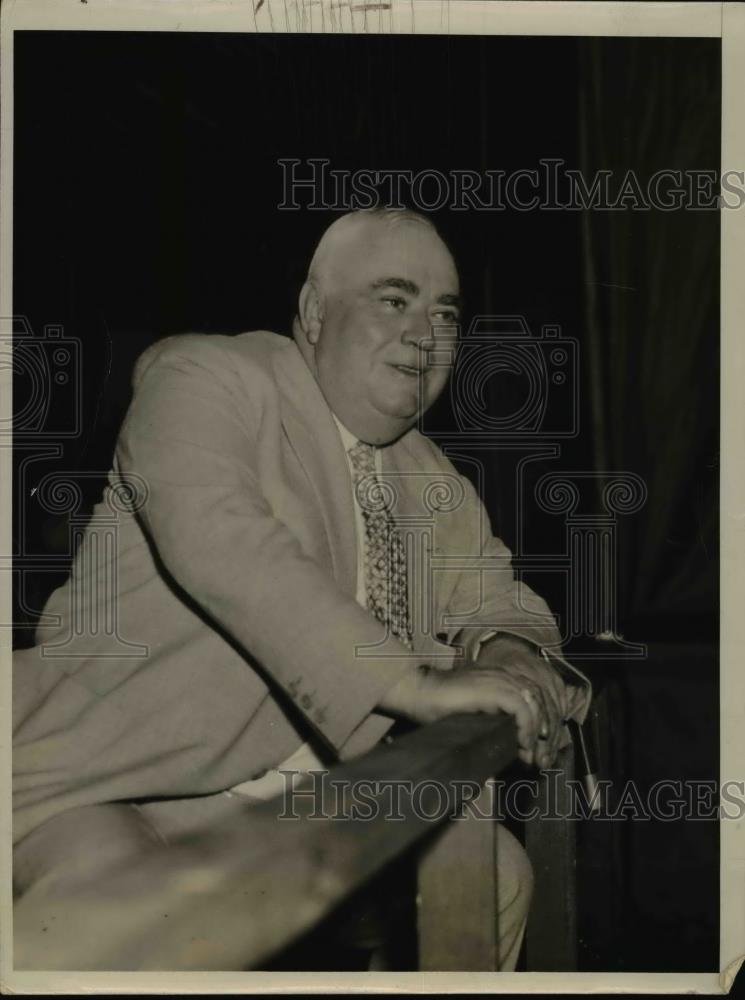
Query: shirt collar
[[348, 439]]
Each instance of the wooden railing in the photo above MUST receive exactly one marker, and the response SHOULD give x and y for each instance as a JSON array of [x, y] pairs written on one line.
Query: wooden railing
[[237, 895]]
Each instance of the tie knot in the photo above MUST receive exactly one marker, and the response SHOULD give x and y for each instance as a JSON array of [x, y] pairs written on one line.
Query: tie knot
[[362, 457]]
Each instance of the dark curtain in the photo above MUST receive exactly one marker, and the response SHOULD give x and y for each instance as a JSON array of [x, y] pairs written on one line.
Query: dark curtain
[[652, 317], [651, 355]]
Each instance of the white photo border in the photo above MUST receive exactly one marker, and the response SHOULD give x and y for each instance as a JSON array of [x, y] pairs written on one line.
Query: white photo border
[[486, 17]]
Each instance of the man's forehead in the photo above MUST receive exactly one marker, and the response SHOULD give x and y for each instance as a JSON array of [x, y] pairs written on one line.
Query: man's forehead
[[409, 252]]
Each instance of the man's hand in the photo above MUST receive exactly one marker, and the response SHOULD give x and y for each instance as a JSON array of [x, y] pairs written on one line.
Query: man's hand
[[510, 676], [522, 662], [427, 695]]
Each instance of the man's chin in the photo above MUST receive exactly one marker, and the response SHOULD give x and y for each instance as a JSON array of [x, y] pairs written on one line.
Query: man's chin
[[402, 415], [404, 406], [391, 425]]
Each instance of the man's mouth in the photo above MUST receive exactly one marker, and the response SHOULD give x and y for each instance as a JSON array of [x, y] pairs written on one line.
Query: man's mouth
[[410, 370]]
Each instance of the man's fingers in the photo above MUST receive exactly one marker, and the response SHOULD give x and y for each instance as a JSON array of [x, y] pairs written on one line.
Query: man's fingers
[[535, 672], [442, 693], [549, 727], [548, 740], [548, 701], [506, 696], [540, 718], [553, 685], [540, 745]]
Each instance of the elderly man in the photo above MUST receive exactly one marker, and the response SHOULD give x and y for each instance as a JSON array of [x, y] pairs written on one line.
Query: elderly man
[[253, 572]]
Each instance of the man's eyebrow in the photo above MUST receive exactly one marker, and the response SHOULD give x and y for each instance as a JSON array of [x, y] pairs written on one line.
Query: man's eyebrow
[[403, 283], [449, 300]]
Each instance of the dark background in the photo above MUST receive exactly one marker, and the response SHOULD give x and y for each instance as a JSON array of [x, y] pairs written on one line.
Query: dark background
[[145, 203]]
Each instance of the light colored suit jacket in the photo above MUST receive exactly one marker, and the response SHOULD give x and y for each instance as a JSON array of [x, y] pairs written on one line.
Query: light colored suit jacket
[[233, 633]]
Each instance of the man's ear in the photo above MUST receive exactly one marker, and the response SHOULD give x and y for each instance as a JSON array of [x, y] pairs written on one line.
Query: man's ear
[[310, 312]]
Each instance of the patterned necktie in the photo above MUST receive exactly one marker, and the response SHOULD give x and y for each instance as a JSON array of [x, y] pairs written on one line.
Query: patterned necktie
[[385, 553]]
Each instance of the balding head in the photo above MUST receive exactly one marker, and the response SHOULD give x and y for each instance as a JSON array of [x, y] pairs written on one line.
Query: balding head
[[354, 234], [381, 285]]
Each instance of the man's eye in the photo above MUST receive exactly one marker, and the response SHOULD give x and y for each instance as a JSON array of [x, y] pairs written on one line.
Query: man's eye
[[396, 301], [446, 317]]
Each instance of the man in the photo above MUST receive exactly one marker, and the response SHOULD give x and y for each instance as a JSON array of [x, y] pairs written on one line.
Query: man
[[258, 579]]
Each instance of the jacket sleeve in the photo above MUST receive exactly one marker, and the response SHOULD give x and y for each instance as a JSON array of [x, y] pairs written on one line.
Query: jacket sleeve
[[487, 599], [192, 434]]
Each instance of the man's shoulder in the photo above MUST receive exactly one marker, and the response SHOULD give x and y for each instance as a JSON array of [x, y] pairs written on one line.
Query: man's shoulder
[[247, 354]]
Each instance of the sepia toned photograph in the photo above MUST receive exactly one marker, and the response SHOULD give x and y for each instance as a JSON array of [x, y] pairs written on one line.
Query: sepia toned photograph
[[365, 549]]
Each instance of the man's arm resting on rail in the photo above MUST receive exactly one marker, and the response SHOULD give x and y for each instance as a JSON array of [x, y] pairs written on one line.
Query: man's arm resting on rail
[[193, 432], [512, 677], [561, 691], [426, 695], [500, 624]]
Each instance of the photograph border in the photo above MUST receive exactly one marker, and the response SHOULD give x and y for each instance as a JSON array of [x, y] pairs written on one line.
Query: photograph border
[[488, 17]]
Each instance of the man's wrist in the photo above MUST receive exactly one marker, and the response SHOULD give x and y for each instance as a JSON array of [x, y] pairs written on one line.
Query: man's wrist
[[494, 644], [402, 699]]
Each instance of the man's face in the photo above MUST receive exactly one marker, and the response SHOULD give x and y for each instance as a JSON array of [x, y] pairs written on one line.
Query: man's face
[[391, 295]]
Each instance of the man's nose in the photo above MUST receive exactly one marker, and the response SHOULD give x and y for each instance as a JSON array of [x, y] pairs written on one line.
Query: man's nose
[[417, 329]]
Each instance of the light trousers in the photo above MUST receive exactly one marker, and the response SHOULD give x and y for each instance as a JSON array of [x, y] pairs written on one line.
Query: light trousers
[[58, 926]]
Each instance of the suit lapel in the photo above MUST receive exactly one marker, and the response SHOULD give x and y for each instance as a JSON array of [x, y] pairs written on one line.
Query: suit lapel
[[314, 438]]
